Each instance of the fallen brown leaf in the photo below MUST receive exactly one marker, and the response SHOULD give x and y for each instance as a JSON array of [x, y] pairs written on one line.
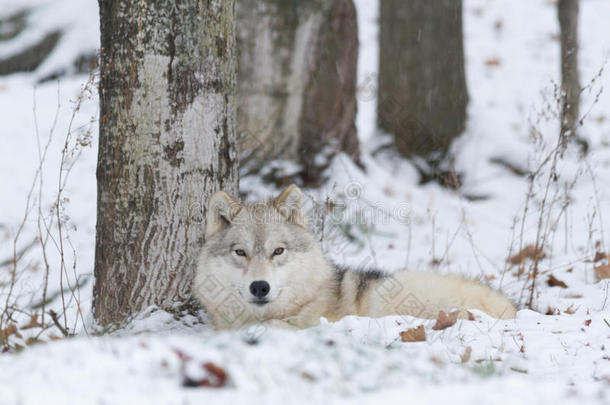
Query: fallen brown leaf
[[528, 252], [218, 373], [570, 310], [587, 322], [217, 377], [443, 321], [414, 334], [11, 329], [33, 323], [554, 282], [599, 256], [33, 340], [466, 356], [493, 62], [182, 356], [602, 272]]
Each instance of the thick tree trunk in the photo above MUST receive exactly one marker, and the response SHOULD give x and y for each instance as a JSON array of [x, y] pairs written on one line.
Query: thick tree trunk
[[297, 82], [567, 11], [422, 84], [167, 137]]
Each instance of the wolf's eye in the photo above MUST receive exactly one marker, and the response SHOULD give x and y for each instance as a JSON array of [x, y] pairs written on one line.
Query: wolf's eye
[[240, 252], [278, 251]]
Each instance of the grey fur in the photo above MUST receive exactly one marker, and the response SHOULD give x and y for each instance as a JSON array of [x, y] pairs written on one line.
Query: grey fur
[[241, 245], [364, 284], [339, 276]]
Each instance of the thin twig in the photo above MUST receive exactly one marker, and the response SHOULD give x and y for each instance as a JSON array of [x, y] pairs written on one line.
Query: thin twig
[[62, 329]]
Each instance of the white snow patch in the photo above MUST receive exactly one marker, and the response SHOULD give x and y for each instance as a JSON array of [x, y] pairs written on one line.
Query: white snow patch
[[533, 359]]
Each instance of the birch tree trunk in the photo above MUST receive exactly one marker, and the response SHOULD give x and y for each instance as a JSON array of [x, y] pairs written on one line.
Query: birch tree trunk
[[567, 11], [167, 135], [297, 82], [422, 83]]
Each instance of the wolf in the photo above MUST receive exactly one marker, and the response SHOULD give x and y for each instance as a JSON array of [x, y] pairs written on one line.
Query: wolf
[[261, 264]]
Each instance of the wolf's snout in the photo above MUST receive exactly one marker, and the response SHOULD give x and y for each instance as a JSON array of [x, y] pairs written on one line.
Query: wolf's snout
[[260, 288]]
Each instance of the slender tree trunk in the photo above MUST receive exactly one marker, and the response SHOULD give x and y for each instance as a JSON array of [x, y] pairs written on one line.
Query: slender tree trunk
[[567, 11], [297, 82], [422, 84], [167, 137]]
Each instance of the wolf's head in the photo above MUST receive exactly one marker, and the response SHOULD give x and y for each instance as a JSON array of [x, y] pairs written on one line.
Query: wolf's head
[[259, 261]]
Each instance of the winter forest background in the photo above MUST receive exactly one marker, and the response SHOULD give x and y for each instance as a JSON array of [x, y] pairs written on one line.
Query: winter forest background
[[469, 137]]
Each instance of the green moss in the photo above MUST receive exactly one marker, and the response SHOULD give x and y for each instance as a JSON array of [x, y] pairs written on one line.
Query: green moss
[[485, 369]]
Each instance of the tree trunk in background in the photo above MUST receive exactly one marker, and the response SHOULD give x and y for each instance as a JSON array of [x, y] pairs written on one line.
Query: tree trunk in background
[[167, 134], [422, 84], [567, 11], [297, 82]]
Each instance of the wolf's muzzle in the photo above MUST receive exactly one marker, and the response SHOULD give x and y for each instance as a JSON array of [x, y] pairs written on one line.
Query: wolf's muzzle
[[260, 289]]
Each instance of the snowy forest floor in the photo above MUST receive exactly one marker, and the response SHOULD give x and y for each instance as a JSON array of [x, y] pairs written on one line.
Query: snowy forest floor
[[559, 352]]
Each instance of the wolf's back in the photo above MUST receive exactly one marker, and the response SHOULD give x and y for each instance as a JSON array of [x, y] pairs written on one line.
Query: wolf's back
[[424, 294]]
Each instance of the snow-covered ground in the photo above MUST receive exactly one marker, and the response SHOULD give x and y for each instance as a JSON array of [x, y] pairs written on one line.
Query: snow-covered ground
[[512, 57]]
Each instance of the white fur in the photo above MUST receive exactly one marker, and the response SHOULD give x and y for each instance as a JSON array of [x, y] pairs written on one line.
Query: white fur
[[303, 284]]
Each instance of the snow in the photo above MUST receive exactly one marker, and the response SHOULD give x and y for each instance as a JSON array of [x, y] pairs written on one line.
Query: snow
[[396, 222], [354, 359], [76, 20]]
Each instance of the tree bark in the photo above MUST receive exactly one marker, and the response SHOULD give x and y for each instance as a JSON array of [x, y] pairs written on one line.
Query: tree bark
[[422, 84], [297, 82], [567, 11], [167, 135]]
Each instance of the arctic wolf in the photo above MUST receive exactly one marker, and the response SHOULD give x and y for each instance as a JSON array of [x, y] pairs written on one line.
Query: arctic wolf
[[260, 263]]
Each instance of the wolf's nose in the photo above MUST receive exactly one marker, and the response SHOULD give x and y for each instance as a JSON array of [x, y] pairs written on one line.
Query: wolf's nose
[[259, 288]]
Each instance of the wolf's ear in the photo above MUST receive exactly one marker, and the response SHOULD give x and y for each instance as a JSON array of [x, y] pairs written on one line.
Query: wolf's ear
[[221, 211], [290, 205]]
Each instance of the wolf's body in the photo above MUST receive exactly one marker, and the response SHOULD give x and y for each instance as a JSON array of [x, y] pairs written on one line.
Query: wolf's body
[[261, 264]]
